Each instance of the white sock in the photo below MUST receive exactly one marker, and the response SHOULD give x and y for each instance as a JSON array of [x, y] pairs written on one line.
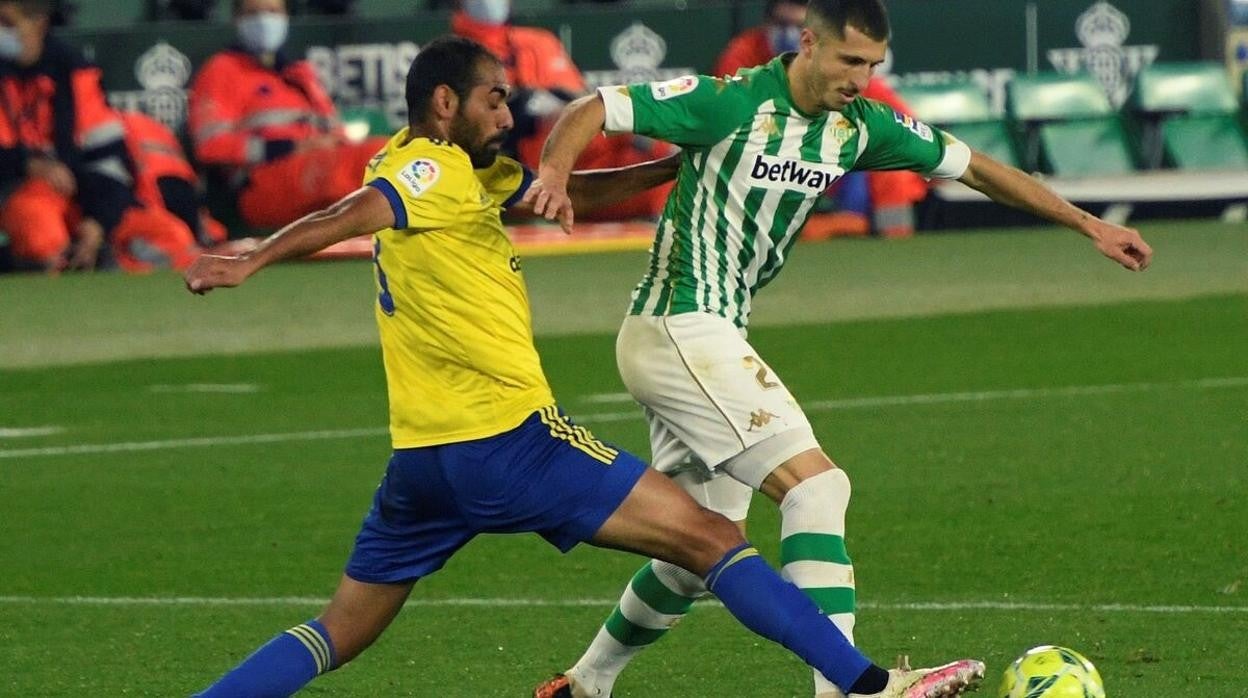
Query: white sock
[[813, 552], [658, 596]]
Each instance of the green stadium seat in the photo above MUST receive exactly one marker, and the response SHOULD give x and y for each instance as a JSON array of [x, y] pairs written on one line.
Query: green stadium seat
[[1188, 117], [1069, 126], [1184, 87], [962, 108], [1205, 142]]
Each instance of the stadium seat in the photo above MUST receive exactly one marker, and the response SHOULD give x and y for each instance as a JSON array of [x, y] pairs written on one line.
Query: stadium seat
[[1069, 127], [962, 109], [1187, 115]]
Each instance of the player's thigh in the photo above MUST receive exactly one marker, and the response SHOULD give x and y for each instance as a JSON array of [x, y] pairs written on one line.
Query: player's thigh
[[414, 524], [716, 491], [698, 375], [660, 520]]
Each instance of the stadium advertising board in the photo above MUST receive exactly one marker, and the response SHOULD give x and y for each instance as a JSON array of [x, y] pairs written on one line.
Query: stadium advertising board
[[363, 62]]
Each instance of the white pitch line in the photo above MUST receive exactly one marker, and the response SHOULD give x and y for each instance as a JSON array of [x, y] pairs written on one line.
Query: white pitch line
[[814, 406], [227, 388], [606, 398], [26, 432], [978, 396], [580, 603], [130, 446]]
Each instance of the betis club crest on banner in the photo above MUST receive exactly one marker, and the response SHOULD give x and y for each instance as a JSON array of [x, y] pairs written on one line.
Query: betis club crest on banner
[[1103, 30]]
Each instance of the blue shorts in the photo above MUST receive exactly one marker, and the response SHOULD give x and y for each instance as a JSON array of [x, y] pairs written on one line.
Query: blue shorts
[[547, 475]]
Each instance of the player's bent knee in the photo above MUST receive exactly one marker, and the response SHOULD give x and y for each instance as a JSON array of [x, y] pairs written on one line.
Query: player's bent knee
[[709, 540]]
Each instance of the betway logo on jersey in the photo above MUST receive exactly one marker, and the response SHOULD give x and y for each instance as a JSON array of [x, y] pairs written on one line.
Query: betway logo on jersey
[[771, 172]]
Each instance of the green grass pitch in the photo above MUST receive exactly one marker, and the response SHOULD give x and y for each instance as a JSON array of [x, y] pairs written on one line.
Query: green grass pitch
[[1044, 449]]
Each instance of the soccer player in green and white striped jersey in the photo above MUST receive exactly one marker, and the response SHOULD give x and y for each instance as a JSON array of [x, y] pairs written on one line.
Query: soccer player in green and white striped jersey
[[758, 149]]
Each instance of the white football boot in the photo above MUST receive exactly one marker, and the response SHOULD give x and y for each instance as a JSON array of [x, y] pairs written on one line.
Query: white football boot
[[952, 679]]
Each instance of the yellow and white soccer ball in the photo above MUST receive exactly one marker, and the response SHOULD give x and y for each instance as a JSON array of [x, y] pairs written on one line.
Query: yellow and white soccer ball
[[1051, 672]]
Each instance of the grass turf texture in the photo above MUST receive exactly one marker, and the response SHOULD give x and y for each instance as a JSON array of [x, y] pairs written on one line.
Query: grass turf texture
[[1078, 508]]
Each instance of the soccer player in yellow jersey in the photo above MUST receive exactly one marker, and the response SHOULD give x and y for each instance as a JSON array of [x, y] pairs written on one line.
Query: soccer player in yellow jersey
[[479, 444]]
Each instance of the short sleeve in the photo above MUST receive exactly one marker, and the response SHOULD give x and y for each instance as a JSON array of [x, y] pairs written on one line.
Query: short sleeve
[[425, 193], [505, 181], [693, 110], [897, 141]]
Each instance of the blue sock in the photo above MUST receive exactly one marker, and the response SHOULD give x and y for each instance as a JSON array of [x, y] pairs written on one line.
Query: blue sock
[[281, 667], [766, 604]]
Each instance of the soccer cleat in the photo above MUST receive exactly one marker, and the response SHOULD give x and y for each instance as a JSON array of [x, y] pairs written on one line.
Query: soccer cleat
[[952, 679], [557, 687]]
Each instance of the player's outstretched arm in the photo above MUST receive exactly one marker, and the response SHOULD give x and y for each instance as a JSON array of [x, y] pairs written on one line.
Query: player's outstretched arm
[[592, 189], [588, 190], [363, 211], [577, 125], [1013, 187]]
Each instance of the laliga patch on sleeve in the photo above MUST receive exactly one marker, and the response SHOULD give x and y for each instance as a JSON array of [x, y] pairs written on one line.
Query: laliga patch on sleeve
[[915, 126], [419, 176], [674, 88]]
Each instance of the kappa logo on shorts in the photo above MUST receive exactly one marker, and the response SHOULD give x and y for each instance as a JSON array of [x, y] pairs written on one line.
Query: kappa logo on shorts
[[420, 176], [915, 126], [674, 88], [760, 418]]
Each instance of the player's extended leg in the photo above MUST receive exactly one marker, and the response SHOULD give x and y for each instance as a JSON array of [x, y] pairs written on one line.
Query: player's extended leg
[[661, 520], [660, 593], [355, 617], [411, 530], [813, 495]]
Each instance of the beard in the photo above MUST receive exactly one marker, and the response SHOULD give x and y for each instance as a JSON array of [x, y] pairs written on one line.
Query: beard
[[482, 157], [481, 151]]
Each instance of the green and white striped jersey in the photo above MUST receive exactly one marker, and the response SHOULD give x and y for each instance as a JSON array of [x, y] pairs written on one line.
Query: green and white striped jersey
[[752, 169]]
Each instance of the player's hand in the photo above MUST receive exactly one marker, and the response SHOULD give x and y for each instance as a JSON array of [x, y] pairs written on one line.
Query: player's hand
[[211, 271], [88, 238], [54, 172], [550, 200], [1123, 245]]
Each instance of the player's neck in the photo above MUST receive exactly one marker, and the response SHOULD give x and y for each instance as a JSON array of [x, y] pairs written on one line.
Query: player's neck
[[435, 130], [798, 72]]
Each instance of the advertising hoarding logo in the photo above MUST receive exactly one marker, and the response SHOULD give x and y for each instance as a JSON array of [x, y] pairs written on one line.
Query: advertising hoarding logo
[[1103, 30]]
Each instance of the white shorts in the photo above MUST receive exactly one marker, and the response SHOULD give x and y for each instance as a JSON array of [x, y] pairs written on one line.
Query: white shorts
[[713, 406]]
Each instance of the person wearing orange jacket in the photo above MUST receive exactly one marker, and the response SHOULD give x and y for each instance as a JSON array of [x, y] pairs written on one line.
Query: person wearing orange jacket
[[168, 188], [265, 121], [64, 175], [887, 200], [544, 79]]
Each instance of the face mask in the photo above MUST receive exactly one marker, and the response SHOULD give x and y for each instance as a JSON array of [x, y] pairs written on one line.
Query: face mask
[[264, 32], [488, 11], [10, 44], [783, 38]]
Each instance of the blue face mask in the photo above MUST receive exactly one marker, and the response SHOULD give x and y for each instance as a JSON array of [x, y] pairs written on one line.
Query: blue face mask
[[783, 37], [488, 11], [263, 32], [10, 44]]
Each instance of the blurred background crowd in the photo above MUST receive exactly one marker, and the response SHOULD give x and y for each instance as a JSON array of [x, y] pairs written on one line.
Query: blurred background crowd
[[261, 126]]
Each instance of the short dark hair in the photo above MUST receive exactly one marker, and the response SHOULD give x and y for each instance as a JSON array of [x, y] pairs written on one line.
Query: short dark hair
[[867, 16], [447, 60]]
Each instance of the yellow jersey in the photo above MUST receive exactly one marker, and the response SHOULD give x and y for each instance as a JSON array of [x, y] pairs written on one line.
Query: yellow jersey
[[453, 313]]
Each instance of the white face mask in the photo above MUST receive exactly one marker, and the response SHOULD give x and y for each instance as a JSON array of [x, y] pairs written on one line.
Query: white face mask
[[10, 44], [783, 38], [488, 11], [263, 32]]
